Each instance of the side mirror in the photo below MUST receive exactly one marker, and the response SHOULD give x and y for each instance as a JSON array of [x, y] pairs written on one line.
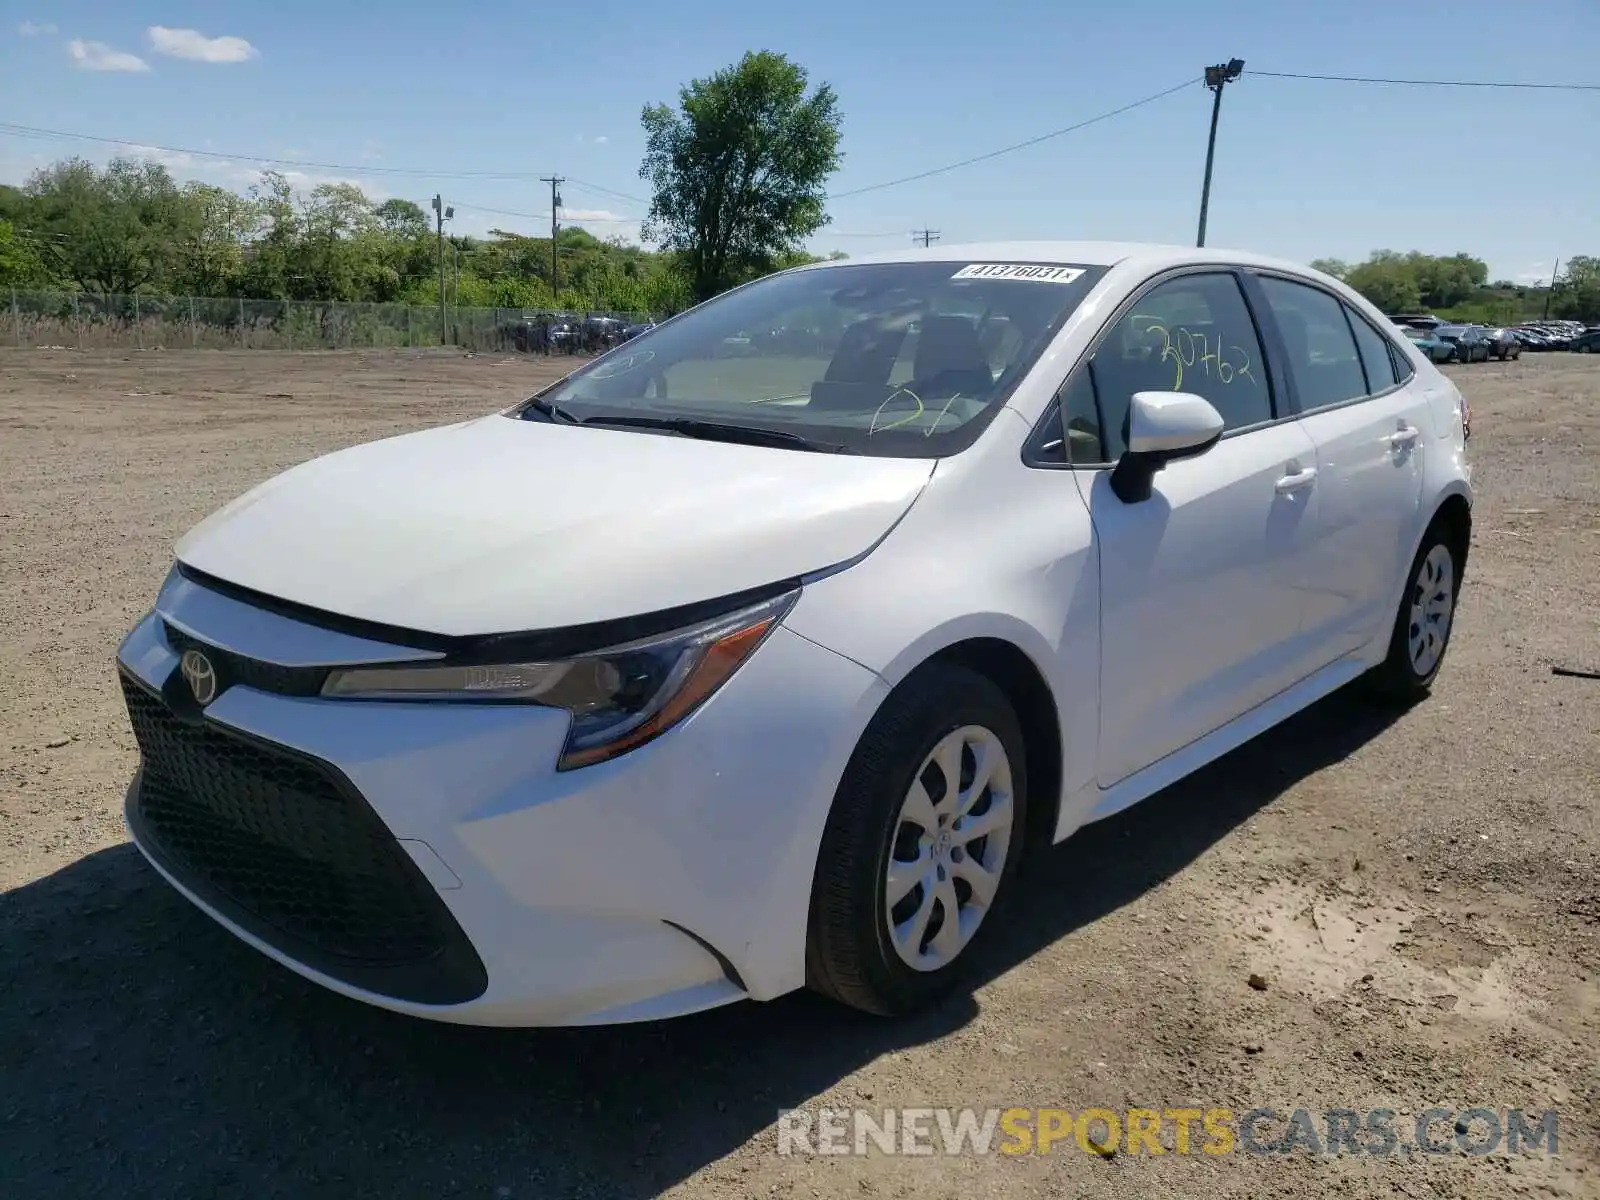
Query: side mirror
[[1162, 427]]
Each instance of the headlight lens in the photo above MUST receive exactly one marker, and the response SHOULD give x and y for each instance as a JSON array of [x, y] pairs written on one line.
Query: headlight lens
[[619, 698]]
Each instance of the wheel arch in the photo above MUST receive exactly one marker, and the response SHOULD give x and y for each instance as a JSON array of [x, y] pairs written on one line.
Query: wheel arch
[[1017, 673], [1454, 513]]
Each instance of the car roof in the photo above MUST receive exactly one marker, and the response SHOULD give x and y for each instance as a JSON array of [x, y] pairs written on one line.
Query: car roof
[[1153, 255]]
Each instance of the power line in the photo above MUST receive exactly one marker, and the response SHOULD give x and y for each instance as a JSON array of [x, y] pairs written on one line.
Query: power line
[[544, 216], [1455, 83], [605, 191], [1033, 141], [926, 236]]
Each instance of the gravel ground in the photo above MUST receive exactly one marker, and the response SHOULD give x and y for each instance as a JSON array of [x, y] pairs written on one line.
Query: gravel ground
[[1419, 895]]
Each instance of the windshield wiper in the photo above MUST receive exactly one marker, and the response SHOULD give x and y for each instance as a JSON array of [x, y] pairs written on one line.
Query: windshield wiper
[[716, 431], [552, 411]]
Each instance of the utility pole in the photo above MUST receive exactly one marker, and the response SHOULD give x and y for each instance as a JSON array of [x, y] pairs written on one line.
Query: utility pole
[[1217, 78], [555, 181], [926, 236], [441, 213], [1551, 291]]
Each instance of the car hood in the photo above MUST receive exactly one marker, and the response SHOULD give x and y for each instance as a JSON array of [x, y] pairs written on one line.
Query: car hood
[[497, 525]]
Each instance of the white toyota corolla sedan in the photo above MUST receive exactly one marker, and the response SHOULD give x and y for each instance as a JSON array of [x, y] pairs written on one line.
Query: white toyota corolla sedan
[[754, 654]]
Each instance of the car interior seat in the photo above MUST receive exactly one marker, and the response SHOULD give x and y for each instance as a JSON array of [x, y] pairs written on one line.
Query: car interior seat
[[950, 359], [857, 376]]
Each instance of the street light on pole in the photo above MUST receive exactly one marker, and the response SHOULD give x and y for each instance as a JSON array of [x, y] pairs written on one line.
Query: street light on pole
[[443, 213], [1217, 78]]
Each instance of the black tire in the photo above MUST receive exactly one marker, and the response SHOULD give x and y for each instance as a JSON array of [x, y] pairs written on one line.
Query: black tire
[[849, 955], [1398, 677]]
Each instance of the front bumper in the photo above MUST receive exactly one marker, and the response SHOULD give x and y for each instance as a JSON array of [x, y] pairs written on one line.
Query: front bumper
[[674, 878]]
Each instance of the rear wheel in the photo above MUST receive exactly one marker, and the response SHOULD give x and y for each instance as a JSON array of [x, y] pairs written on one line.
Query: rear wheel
[[1422, 626], [921, 845]]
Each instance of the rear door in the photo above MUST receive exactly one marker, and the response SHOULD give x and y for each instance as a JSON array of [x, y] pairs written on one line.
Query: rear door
[[1370, 422]]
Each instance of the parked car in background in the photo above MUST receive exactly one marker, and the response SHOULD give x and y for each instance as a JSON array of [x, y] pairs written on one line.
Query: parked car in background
[[601, 333], [1503, 344], [1587, 342], [649, 694], [1436, 349], [1467, 341], [1417, 320]]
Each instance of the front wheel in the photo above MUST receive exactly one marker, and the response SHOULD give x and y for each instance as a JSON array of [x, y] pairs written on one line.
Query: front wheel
[[1422, 626], [921, 845]]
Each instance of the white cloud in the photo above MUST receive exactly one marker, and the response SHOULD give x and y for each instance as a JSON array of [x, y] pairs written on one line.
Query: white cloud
[[171, 159], [1534, 273], [29, 29], [602, 140], [192, 44], [97, 56], [591, 214]]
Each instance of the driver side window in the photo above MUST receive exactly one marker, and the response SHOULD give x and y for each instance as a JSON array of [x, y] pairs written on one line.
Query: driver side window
[[1190, 334]]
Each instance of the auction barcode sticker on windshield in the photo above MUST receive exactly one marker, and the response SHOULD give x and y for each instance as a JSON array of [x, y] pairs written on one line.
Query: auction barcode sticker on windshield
[[1034, 272]]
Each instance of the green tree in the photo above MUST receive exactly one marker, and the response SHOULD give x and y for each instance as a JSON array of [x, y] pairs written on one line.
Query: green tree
[[20, 263], [402, 218], [107, 231], [1336, 267], [214, 226], [738, 171], [1443, 282], [274, 258], [1386, 281], [1577, 295]]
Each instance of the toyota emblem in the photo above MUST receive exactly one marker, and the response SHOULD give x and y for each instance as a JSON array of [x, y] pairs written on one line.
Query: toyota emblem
[[200, 675]]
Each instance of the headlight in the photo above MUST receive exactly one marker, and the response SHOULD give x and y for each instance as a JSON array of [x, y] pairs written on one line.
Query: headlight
[[619, 698]]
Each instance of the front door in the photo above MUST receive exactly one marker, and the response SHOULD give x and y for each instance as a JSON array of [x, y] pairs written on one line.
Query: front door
[[1201, 584]]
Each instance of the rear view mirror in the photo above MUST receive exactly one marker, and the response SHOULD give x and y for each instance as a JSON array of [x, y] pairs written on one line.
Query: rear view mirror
[[1162, 427]]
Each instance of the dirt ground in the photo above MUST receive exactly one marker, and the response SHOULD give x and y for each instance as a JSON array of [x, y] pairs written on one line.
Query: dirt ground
[[1420, 894]]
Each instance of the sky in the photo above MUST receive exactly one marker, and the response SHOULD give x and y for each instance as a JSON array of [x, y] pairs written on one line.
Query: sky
[[478, 101]]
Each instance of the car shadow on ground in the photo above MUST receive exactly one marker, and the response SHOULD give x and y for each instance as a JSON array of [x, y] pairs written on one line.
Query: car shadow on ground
[[147, 1052]]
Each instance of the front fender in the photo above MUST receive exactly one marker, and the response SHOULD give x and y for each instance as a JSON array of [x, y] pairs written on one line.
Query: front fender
[[992, 549]]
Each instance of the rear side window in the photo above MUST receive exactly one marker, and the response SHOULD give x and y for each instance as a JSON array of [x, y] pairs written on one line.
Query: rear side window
[[1374, 348], [1321, 350], [1403, 370]]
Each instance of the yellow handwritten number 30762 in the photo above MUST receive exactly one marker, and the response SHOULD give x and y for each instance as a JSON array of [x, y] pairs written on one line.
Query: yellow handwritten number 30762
[[1184, 348]]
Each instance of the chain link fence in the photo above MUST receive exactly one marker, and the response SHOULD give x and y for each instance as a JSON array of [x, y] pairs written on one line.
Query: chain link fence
[[85, 321]]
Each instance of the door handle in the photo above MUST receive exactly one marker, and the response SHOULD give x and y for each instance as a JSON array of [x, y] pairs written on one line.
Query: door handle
[[1296, 480], [1403, 436]]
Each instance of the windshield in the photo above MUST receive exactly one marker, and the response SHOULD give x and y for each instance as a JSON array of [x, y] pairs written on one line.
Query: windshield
[[893, 359]]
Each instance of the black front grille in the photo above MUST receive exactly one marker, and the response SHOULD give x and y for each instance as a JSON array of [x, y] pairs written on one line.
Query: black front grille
[[234, 668], [284, 846]]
